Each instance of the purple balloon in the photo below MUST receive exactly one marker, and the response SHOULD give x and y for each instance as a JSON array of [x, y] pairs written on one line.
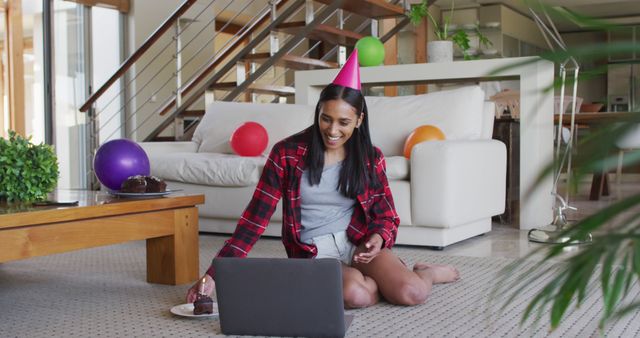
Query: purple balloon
[[116, 160]]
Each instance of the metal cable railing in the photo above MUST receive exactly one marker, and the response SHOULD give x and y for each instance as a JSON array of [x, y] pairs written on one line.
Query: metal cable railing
[[162, 68], [331, 53], [173, 75], [224, 53], [143, 81], [143, 99], [142, 71], [234, 39], [300, 33], [249, 42], [267, 41], [327, 56], [231, 41]]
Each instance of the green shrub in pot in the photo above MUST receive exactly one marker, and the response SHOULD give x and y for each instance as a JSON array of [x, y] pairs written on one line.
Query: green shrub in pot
[[28, 172]]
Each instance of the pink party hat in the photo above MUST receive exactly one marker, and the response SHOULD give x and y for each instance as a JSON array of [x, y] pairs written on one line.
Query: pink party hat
[[349, 75]]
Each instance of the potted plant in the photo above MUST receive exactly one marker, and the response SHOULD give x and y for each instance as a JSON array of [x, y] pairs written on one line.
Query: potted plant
[[28, 172], [441, 50]]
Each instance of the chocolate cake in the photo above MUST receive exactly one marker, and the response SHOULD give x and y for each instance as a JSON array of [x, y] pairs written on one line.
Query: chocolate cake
[[203, 305], [134, 184], [155, 184], [143, 184]]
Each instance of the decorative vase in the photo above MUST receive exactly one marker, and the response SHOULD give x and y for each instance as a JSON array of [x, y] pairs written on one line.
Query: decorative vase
[[440, 51]]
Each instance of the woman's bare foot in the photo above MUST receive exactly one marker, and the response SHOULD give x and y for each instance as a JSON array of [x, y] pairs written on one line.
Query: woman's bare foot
[[437, 272]]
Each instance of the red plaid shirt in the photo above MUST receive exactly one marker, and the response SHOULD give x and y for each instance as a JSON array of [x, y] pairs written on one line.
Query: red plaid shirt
[[375, 212]]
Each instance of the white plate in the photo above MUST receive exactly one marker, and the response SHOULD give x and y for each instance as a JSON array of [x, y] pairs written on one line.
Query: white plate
[[142, 194], [186, 310]]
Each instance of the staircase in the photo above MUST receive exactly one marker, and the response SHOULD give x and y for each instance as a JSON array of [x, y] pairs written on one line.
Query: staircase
[[163, 86]]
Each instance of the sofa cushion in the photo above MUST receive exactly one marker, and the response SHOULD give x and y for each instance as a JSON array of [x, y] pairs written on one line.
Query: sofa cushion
[[222, 118], [208, 169], [397, 168], [457, 112]]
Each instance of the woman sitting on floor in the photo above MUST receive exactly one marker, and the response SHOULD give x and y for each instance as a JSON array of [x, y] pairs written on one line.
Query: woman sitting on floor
[[336, 204]]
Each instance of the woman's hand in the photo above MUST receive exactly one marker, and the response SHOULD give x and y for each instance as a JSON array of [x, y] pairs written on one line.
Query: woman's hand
[[207, 289], [365, 254]]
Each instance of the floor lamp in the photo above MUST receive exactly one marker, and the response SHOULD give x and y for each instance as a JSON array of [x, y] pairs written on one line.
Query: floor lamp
[[551, 233]]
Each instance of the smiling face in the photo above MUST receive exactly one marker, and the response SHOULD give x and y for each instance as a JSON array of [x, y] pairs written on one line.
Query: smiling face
[[337, 120]]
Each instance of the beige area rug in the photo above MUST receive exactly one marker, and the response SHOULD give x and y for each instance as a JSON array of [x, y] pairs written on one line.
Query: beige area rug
[[102, 292]]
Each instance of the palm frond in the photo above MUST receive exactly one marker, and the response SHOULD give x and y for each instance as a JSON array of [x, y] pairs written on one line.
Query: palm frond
[[612, 261]]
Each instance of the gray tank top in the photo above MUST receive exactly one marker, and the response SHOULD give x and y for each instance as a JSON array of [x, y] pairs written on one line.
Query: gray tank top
[[324, 210]]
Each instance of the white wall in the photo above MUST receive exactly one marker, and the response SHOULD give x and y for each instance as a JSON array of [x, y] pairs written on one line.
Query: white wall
[[144, 18], [106, 60]]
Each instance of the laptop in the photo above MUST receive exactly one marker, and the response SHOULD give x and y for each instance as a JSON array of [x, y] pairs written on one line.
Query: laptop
[[280, 297]]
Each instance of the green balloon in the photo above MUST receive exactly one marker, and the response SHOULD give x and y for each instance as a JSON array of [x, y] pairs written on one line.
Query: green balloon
[[370, 51]]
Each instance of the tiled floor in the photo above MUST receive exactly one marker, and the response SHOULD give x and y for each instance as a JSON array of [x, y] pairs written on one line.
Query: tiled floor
[[507, 241]]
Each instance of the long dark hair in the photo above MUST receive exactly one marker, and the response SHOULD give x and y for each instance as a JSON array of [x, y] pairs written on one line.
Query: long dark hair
[[355, 174]]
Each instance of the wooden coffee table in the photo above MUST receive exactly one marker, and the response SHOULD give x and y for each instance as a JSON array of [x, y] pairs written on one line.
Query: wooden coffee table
[[169, 224]]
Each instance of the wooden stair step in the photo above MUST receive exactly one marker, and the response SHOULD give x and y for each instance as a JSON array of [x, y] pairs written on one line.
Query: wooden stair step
[[272, 89], [193, 113], [370, 8], [223, 85], [293, 61], [322, 32], [258, 88]]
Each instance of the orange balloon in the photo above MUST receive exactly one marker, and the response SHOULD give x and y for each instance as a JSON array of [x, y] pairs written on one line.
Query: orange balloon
[[422, 134]]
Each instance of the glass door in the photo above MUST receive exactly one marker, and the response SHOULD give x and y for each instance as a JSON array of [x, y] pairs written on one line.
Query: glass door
[[70, 88], [87, 50]]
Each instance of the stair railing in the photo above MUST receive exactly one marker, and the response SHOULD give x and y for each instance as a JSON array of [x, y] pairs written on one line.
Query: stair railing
[[327, 56], [331, 54], [187, 93], [242, 86], [198, 90], [153, 51], [232, 43]]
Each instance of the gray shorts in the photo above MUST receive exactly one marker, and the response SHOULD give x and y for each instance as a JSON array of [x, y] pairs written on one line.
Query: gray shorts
[[335, 245]]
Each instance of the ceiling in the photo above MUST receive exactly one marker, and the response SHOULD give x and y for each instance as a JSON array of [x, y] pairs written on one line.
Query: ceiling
[[615, 11]]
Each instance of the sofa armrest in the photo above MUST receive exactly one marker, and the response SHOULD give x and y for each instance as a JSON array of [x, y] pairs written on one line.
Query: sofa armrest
[[157, 148], [457, 182]]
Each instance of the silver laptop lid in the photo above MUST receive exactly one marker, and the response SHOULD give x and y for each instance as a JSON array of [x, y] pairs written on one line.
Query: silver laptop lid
[[280, 296]]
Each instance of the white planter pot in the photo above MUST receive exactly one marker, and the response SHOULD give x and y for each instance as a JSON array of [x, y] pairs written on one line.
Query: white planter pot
[[440, 51]]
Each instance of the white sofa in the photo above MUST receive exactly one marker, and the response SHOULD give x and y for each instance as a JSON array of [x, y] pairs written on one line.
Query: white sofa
[[446, 193]]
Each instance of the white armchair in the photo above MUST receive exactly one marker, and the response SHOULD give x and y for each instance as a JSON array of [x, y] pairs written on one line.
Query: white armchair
[[454, 186]]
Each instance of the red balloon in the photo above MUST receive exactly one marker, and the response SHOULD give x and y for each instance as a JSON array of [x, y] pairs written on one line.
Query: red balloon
[[250, 139]]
